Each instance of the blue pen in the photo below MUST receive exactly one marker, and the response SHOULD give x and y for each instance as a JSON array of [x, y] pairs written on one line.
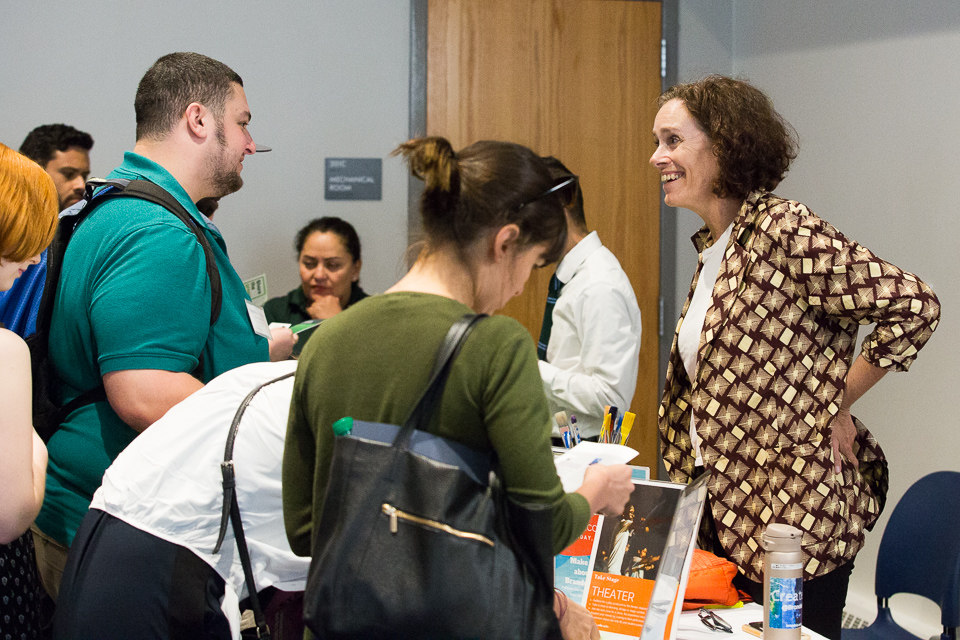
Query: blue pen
[[576, 429]]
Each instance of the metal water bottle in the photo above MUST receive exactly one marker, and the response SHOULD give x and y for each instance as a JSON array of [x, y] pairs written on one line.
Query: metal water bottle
[[782, 582]]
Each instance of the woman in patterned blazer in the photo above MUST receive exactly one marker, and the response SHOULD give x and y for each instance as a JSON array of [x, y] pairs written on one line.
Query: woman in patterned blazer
[[762, 371]]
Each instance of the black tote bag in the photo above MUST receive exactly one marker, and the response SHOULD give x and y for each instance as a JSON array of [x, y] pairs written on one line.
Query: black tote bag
[[418, 540]]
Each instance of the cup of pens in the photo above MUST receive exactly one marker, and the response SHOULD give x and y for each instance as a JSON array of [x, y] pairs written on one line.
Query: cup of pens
[[615, 430], [569, 432], [616, 427]]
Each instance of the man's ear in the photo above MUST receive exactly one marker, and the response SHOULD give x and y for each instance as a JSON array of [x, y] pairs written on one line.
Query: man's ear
[[505, 241], [199, 120]]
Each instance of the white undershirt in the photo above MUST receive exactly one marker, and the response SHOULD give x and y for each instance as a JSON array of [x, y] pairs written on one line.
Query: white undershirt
[[688, 340]]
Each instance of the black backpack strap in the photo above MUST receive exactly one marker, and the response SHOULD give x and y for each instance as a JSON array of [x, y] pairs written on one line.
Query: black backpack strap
[[98, 191], [47, 414], [70, 219], [231, 509], [146, 190], [443, 362]]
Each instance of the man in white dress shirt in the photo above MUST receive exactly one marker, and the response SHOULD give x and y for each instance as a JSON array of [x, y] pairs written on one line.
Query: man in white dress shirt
[[591, 354]]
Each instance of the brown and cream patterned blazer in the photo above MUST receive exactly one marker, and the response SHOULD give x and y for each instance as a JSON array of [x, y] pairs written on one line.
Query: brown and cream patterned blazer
[[774, 353]]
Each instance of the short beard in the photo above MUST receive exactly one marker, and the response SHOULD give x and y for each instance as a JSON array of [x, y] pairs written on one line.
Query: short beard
[[223, 180]]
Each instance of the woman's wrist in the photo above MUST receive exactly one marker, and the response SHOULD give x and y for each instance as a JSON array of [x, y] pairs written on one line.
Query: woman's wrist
[[560, 598]]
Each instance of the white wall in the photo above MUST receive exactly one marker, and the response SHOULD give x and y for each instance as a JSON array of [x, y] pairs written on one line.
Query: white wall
[[324, 78], [705, 46], [873, 89]]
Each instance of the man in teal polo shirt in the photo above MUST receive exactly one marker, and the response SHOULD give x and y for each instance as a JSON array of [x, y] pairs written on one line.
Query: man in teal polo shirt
[[133, 305]]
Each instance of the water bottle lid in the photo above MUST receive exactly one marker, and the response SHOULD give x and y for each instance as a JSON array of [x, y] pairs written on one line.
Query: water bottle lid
[[781, 537], [343, 426]]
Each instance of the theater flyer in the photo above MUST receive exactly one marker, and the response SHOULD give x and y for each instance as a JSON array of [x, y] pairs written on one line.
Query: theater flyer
[[626, 558]]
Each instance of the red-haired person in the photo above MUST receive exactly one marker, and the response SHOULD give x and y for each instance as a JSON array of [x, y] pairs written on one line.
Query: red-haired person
[[28, 220]]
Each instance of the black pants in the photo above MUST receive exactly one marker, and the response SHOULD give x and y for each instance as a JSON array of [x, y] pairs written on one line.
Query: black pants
[[823, 599], [122, 583]]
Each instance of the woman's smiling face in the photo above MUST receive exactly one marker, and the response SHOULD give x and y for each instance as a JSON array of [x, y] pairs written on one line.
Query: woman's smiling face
[[684, 157]]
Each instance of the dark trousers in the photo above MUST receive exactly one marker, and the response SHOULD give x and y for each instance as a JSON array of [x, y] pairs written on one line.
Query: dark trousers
[[823, 599], [121, 583]]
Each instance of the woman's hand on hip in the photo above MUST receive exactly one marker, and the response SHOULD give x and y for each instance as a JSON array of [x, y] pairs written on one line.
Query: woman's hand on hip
[[842, 435]]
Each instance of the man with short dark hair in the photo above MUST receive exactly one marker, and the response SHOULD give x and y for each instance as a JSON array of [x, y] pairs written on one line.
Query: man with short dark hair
[[64, 153], [589, 356], [133, 305]]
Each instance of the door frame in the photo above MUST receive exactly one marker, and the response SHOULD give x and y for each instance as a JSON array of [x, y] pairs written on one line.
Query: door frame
[[668, 215]]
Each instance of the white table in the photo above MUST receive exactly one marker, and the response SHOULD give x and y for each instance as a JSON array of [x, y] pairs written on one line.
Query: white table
[[691, 628]]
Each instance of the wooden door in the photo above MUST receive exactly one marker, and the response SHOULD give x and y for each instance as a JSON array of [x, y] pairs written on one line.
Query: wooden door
[[575, 79]]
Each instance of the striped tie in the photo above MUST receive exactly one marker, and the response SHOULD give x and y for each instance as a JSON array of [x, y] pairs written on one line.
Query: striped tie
[[553, 292]]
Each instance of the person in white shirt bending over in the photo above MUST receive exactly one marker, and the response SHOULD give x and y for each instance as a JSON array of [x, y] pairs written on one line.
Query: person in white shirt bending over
[[589, 356], [144, 566]]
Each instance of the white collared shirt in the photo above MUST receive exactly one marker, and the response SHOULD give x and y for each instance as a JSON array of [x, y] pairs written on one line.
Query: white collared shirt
[[592, 356], [168, 483]]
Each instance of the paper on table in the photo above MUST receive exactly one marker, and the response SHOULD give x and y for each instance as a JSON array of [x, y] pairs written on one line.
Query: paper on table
[[573, 464]]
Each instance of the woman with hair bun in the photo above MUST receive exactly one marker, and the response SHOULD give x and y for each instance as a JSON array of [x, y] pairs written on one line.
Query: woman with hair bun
[[762, 372], [28, 220], [491, 213]]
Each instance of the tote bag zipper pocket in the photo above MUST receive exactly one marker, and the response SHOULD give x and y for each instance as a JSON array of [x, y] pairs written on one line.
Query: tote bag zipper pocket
[[396, 515]]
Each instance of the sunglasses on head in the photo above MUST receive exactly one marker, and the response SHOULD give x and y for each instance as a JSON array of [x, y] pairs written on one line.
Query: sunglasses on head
[[565, 188]]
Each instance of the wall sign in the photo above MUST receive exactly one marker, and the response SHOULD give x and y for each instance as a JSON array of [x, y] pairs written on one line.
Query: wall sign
[[353, 178]]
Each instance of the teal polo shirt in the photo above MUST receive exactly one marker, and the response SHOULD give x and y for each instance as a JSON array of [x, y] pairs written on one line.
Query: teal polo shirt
[[133, 294]]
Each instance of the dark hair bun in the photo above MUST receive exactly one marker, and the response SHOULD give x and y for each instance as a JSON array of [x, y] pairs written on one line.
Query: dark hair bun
[[434, 161], [480, 189]]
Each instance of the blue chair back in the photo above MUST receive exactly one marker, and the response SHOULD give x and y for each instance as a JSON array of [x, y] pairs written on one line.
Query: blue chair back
[[920, 549]]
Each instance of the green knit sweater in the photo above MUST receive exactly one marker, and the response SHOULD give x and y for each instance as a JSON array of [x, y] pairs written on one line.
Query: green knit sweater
[[372, 362]]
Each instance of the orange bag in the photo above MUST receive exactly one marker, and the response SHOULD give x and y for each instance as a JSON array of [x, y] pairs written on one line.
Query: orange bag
[[710, 582]]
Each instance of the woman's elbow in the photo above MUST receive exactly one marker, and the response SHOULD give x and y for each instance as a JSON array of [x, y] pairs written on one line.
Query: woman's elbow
[[18, 518]]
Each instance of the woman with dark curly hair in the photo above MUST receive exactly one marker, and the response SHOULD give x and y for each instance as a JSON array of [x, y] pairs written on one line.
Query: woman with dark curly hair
[[762, 372]]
